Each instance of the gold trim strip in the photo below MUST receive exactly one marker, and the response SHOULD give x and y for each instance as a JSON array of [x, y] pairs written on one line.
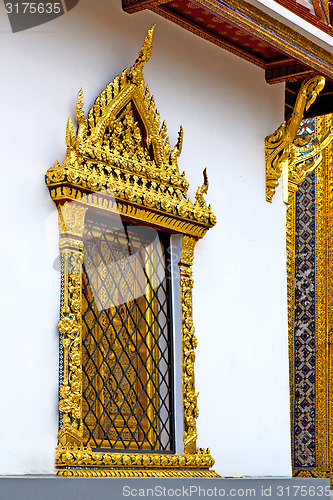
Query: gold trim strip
[[314, 472], [112, 205], [290, 248], [321, 303], [137, 473], [71, 456]]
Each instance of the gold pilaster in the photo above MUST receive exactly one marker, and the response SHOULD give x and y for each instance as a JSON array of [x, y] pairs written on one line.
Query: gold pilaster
[[71, 225], [189, 343], [323, 315], [322, 304], [290, 252]]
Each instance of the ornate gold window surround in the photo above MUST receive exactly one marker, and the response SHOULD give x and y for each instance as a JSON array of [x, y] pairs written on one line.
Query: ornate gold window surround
[[295, 154], [133, 174]]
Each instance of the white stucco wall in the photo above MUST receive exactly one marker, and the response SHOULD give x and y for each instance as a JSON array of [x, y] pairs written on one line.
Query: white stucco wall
[[240, 281]]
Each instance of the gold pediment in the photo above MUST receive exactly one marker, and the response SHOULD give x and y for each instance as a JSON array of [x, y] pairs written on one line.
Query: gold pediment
[[119, 163], [121, 148]]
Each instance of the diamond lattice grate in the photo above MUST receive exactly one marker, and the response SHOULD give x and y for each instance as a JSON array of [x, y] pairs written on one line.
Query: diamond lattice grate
[[127, 385]]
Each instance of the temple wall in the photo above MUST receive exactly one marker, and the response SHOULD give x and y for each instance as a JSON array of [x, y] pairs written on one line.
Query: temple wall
[[240, 307]]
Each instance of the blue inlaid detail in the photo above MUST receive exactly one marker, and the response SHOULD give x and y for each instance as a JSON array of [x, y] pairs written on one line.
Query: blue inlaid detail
[[304, 327]]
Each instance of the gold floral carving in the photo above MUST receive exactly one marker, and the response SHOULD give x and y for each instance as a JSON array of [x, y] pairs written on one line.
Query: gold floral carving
[[294, 155], [187, 253], [71, 219], [84, 457], [290, 251], [323, 309], [163, 473], [108, 204], [119, 161]]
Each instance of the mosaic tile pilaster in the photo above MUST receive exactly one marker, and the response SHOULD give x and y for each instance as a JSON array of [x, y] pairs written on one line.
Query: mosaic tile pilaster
[[304, 327], [310, 297]]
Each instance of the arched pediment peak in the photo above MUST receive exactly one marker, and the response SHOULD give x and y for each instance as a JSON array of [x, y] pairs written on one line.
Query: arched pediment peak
[[121, 145], [143, 57]]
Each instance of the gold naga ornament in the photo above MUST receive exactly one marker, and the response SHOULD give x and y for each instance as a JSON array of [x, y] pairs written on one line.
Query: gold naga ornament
[[120, 162], [290, 154]]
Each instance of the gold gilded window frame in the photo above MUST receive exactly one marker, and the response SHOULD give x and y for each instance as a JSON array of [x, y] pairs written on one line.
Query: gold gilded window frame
[[322, 465], [111, 168]]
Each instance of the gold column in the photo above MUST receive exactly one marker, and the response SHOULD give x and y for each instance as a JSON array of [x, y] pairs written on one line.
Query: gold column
[[71, 226], [290, 250], [189, 343], [323, 306]]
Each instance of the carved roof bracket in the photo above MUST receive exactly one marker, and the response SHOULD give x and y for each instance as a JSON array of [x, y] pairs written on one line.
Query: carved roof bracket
[[292, 155]]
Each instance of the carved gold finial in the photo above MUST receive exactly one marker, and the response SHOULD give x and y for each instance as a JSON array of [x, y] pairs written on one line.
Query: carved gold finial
[[322, 10], [143, 57], [280, 149], [178, 147], [200, 200]]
